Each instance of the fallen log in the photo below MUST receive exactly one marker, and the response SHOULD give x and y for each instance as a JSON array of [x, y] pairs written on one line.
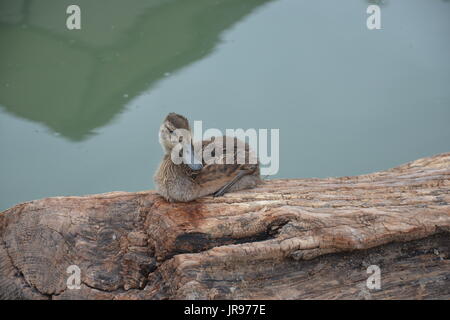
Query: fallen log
[[286, 239]]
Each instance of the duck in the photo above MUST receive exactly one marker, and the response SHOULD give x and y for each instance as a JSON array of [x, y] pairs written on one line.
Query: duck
[[186, 174]]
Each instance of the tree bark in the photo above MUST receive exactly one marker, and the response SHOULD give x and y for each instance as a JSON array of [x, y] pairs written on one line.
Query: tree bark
[[286, 239]]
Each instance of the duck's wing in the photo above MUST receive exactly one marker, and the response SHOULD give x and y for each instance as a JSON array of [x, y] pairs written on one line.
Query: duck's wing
[[216, 172], [228, 185], [224, 159], [225, 150]]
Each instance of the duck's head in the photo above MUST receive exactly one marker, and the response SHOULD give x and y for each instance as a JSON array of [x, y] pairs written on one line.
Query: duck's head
[[176, 139], [172, 129]]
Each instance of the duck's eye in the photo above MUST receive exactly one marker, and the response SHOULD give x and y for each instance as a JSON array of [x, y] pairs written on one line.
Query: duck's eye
[[170, 130]]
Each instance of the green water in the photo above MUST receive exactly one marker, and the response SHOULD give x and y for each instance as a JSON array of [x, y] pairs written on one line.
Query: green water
[[80, 109]]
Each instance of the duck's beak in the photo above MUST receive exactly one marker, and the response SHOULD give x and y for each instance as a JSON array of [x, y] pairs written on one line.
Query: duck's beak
[[190, 158]]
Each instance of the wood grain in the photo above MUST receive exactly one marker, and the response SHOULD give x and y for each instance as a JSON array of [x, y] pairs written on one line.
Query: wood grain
[[286, 239]]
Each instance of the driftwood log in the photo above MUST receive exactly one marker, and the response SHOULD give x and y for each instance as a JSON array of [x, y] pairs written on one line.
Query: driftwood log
[[287, 239]]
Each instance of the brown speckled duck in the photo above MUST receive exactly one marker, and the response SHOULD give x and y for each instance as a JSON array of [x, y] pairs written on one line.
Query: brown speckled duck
[[194, 178]]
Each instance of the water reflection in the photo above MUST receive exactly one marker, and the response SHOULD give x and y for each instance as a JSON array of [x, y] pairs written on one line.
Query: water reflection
[[347, 100], [76, 81]]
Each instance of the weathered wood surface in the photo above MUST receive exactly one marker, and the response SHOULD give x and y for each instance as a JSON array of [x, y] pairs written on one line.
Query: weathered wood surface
[[287, 239]]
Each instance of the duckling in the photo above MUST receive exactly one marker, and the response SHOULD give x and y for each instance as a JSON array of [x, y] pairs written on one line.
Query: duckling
[[194, 177]]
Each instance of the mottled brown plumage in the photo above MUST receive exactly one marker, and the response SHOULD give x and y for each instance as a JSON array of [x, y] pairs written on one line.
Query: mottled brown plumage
[[184, 182]]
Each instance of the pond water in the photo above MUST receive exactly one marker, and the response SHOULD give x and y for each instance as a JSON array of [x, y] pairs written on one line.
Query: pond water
[[80, 109]]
